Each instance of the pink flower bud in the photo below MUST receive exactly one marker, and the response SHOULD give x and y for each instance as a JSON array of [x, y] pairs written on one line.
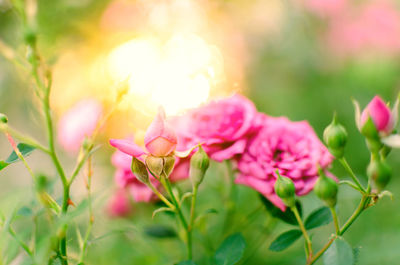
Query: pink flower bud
[[380, 114], [160, 139]]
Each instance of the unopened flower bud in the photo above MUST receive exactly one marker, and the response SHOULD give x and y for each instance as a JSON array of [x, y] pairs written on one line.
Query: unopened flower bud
[[372, 136], [285, 189], [160, 139], [199, 164], [381, 116], [139, 170], [335, 137], [380, 172], [3, 118], [326, 189]]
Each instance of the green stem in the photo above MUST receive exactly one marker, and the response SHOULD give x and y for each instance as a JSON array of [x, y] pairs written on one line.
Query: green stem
[[347, 167], [361, 207], [164, 180], [162, 197], [304, 231], [322, 251], [191, 221], [335, 219]]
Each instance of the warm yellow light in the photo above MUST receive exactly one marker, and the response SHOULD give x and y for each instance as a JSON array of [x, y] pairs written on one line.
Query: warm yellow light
[[177, 75]]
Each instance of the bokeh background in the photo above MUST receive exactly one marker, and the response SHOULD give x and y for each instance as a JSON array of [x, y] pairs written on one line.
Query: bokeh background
[[304, 59]]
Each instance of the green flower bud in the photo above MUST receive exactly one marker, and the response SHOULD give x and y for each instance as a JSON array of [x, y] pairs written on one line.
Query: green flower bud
[[285, 189], [372, 136], [335, 137], [326, 189], [139, 170], [380, 172], [199, 164]]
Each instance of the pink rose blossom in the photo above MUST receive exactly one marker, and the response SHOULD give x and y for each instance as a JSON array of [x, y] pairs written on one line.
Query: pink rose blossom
[[222, 127], [77, 123], [380, 114], [119, 204], [293, 148]]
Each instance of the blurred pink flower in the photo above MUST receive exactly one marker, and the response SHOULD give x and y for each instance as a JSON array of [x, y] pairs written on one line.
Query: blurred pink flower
[[293, 148], [380, 114], [325, 8], [160, 140], [222, 127], [77, 123], [371, 27], [119, 204]]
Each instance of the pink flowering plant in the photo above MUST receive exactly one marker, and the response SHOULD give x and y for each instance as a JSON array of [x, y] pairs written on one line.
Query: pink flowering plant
[[215, 181]]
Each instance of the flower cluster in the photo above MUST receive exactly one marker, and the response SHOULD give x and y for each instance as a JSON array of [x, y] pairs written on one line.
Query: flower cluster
[[231, 128]]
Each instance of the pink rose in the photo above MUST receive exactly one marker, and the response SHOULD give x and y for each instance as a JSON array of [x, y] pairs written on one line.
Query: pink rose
[[222, 127], [380, 114], [293, 148], [160, 140], [119, 204], [77, 123]]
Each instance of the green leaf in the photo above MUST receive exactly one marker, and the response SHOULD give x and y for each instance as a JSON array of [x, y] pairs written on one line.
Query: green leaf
[[186, 262], [25, 150], [3, 164], [159, 210], [339, 253], [160, 231], [356, 253], [319, 217], [285, 240], [287, 216], [25, 211], [231, 250]]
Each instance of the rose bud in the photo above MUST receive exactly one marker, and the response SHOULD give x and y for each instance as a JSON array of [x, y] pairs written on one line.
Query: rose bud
[[139, 170], [285, 189], [380, 172], [199, 164], [326, 189], [335, 137], [3, 118], [160, 139], [381, 116]]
